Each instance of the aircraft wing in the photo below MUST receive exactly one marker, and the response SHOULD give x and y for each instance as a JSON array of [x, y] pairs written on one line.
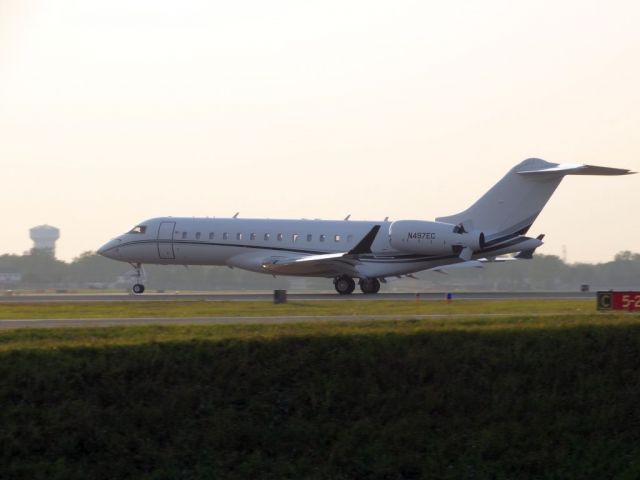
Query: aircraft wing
[[326, 263], [457, 266], [479, 263], [497, 259]]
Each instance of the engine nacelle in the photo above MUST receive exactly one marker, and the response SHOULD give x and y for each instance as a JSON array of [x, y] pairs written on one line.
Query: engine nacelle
[[432, 238]]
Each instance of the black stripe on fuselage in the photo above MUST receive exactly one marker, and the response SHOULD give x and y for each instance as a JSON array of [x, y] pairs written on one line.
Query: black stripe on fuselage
[[372, 258], [212, 244]]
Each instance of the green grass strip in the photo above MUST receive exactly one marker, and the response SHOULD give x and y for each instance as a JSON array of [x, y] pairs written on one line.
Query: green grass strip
[[54, 310]]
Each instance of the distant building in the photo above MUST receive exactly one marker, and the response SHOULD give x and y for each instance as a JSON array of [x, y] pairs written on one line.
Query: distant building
[[44, 238], [10, 277]]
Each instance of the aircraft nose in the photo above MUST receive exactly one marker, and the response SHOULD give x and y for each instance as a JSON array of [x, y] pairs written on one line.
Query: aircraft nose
[[110, 249]]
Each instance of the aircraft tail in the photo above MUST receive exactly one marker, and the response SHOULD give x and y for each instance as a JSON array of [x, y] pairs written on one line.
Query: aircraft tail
[[511, 205]]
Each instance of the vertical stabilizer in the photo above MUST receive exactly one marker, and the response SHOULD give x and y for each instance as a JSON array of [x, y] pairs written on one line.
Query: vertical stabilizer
[[512, 204]]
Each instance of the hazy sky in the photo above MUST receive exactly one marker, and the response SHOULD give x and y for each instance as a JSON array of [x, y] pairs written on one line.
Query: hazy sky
[[116, 111]]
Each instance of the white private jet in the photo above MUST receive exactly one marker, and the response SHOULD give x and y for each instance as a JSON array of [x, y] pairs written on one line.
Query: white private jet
[[345, 250]]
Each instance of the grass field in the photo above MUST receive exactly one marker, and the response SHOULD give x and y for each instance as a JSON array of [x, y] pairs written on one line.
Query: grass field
[[302, 308], [453, 398]]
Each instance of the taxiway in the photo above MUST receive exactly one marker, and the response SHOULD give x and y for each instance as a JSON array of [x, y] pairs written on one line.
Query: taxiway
[[240, 296]]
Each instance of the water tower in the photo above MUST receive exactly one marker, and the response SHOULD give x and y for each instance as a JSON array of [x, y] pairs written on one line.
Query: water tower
[[44, 238]]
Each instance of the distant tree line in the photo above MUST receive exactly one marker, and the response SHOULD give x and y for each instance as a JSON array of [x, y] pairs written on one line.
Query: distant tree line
[[40, 270]]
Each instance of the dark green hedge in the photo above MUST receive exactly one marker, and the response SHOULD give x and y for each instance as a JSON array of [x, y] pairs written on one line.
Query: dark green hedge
[[562, 403]]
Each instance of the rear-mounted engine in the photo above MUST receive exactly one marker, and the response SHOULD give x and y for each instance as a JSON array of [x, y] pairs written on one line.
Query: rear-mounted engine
[[433, 238]]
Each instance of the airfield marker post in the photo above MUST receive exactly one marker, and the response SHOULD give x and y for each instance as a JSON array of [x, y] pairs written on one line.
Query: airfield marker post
[[279, 296]]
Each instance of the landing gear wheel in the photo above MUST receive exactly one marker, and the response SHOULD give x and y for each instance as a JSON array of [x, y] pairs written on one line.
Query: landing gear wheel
[[138, 277], [369, 285], [344, 285]]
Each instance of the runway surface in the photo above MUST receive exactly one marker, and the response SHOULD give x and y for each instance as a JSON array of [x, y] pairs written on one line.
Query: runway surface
[[226, 297]]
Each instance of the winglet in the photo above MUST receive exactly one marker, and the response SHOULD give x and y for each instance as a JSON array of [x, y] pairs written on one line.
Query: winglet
[[364, 245]]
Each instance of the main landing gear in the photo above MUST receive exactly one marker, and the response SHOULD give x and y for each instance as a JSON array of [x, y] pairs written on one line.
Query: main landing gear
[[138, 276], [369, 285], [345, 285]]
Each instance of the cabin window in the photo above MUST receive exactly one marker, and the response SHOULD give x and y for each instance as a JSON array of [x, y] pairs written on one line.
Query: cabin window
[[238, 236], [252, 236], [138, 229], [184, 235], [295, 237], [349, 238], [337, 238], [280, 237], [198, 235], [225, 236], [323, 238], [210, 235], [309, 237], [267, 236]]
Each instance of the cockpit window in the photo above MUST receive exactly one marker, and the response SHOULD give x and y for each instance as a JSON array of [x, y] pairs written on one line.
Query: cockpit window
[[138, 229]]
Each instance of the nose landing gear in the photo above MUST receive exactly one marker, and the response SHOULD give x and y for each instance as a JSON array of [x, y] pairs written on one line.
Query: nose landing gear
[[138, 277]]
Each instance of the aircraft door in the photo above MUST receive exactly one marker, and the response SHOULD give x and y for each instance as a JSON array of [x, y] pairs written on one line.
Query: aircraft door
[[165, 240]]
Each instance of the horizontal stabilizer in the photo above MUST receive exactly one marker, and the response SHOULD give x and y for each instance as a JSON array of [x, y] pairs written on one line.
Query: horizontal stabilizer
[[528, 253], [577, 169]]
